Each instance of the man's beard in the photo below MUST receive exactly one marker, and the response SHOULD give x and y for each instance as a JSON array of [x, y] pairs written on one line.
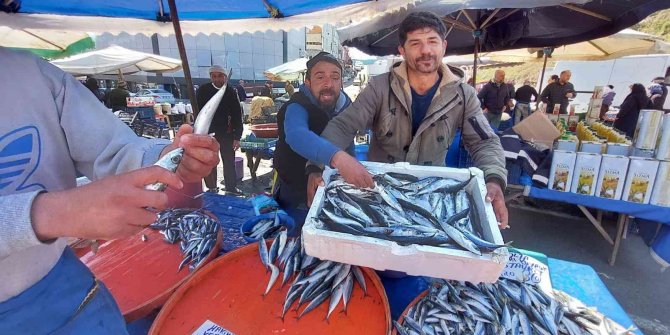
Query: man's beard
[[327, 105], [425, 69]]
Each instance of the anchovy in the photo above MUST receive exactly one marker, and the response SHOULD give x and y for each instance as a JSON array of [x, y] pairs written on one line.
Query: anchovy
[[195, 231], [170, 161], [273, 278]]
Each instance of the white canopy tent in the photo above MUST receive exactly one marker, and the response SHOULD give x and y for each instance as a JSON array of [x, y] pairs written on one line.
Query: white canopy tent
[[116, 60], [627, 42], [291, 70]]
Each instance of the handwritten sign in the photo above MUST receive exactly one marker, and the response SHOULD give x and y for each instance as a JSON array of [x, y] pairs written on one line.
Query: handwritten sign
[[211, 328], [524, 269]]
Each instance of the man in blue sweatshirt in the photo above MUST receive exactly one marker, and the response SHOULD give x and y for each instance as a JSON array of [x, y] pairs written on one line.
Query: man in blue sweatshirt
[[52, 129], [301, 121]]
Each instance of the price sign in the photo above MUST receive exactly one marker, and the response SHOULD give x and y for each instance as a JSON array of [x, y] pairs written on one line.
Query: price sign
[[211, 328], [524, 269]]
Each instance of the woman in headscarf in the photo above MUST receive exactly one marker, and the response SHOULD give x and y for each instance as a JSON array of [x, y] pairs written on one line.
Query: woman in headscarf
[[629, 110]]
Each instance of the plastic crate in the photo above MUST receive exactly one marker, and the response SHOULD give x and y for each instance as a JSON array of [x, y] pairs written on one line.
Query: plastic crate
[[255, 143]]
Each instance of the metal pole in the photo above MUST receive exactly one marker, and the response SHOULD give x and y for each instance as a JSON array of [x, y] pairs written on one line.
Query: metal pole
[[182, 54], [476, 34], [547, 52], [544, 67]]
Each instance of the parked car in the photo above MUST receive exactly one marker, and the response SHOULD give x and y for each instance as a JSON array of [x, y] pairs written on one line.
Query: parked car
[[158, 94]]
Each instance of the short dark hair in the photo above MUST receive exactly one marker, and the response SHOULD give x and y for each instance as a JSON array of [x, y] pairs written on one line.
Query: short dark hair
[[421, 20], [611, 87]]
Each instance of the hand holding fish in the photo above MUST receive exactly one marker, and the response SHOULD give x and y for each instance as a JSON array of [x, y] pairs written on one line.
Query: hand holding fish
[[201, 154], [352, 170], [113, 207], [496, 197]]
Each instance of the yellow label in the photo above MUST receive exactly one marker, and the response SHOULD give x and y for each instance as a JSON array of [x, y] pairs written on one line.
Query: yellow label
[[609, 186], [638, 189]]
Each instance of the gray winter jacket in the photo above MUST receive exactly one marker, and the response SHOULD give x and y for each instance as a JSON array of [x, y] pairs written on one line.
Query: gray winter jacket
[[385, 107]]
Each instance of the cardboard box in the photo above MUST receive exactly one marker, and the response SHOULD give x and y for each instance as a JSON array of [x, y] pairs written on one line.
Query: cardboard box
[[640, 180], [594, 108], [661, 194], [585, 175], [612, 176], [562, 168], [538, 129], [598, 92], [417, 260], [572, 122]]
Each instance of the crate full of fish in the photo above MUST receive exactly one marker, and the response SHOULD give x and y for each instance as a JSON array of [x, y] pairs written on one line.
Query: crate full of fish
[[420, 220]]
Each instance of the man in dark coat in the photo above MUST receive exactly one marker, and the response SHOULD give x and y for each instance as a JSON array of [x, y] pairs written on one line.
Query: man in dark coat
[[226, 125], [495, 98], [117, 97], [559, 93]]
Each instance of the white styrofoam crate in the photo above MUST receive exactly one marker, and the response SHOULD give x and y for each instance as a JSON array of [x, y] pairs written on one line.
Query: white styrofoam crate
[[413, 259]]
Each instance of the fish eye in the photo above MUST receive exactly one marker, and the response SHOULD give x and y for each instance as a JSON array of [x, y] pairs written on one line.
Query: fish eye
[[176, 159]]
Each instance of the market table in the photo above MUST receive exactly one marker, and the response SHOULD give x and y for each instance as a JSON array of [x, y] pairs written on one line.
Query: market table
[[578, 280], [624, 209]]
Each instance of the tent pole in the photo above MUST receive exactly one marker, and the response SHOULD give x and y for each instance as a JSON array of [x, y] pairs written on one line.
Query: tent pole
[[477, 34], [547, 52], [182, 54]]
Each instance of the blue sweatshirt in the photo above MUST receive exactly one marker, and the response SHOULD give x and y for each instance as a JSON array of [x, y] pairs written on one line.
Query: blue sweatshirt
[[52, 127], [304, 141]]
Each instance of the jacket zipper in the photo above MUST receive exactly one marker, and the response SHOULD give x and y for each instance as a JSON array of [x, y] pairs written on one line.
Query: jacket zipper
[[478, 128]]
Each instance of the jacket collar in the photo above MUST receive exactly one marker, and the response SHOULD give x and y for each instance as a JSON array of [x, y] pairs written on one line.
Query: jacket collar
[[400, 81]]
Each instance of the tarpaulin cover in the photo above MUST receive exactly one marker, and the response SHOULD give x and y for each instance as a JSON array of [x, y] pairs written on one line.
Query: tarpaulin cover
[[196, 16], [538, 23]]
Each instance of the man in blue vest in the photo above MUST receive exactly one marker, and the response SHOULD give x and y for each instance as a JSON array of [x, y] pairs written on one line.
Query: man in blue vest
[[301, 121]]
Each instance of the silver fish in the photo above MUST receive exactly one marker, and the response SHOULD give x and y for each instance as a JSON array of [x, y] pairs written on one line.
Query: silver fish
[[206, 114], [170, 161]]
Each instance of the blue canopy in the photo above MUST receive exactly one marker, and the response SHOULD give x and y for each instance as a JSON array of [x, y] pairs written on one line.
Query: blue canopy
[[197, 16], [188, 9]]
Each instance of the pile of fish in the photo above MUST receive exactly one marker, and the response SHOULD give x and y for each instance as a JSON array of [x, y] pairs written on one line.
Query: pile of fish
[[402, 208], [506, 307], [266, 228], [314, 281], [195, 231]]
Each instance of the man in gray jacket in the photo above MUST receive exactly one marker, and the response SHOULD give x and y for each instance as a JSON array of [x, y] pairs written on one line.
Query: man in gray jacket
[[52, 129], [414, 112]]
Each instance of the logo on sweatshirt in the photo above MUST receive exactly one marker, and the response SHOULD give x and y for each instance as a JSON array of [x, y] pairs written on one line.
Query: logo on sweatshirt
[[20, 152]]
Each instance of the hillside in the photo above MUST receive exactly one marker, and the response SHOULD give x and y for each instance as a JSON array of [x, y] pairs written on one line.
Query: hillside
[[656, 24]]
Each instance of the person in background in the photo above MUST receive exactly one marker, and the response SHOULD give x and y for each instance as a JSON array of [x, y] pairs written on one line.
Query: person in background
[[523, 96], [289, 89], [63, 130], [559, 93], [414, 112], [629, 111], [608, 97], [226, 126], [92, 85], [495, 98], [553, 79], [241, 92], [658, 92], [266, 91], [301, 120], [512, 89], [117, 97]]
